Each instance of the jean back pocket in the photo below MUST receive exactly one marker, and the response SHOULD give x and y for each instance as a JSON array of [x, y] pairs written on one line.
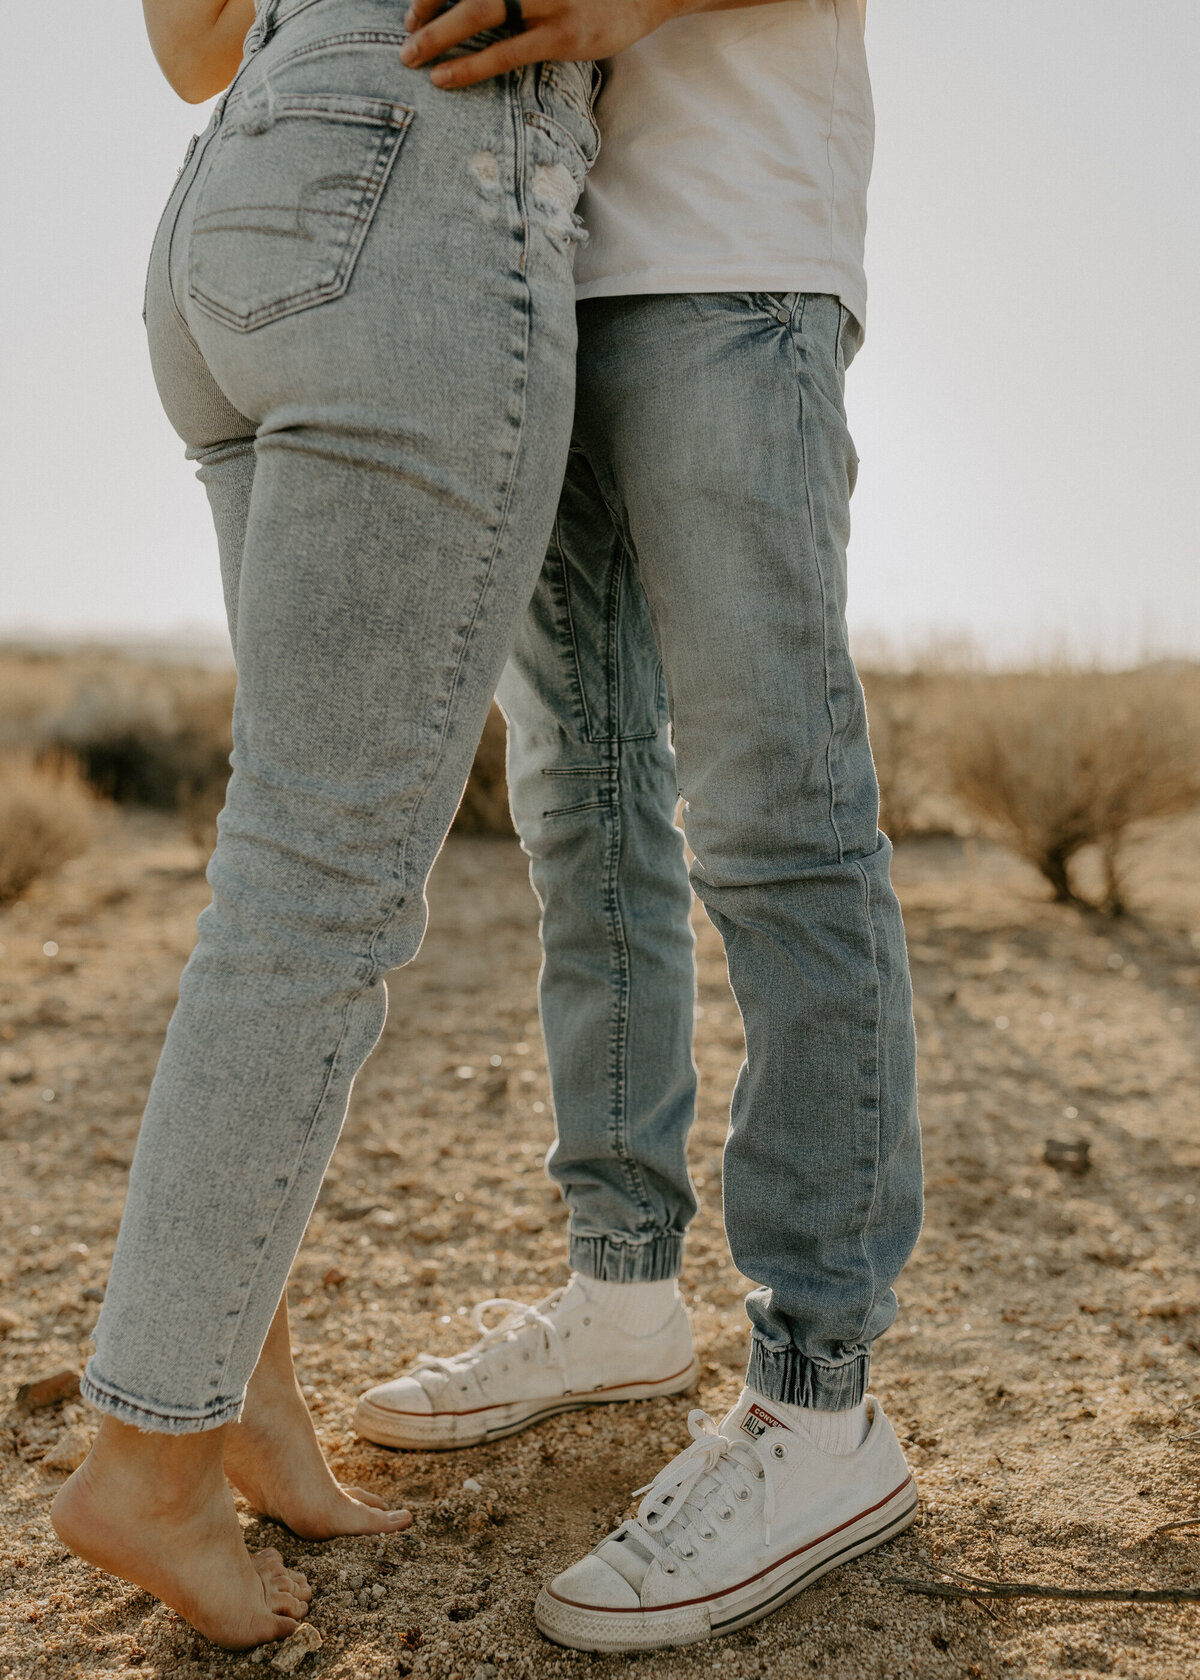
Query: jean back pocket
[[292, 186]]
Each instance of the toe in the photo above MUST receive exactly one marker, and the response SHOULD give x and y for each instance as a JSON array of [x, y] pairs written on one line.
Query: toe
[[365, 1498], [286, 1603], [300, 1585]]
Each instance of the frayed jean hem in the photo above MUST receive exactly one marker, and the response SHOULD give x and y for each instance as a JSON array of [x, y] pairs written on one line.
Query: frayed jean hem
[[140, 1415], [787, 1375], [624, 1260]]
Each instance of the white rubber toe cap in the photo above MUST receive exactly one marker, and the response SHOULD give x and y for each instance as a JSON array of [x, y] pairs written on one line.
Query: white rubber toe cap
[[595, 1584], [404, 1395]]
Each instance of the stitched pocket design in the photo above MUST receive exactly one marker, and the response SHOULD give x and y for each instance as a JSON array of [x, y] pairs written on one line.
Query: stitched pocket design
[[284, 209]]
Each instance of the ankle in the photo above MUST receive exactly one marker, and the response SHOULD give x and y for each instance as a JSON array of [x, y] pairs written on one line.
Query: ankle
[[174, 1470], [834, 1432]]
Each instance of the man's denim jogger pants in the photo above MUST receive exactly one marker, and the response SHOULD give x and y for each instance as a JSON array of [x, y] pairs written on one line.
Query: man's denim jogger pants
[[694, 595]]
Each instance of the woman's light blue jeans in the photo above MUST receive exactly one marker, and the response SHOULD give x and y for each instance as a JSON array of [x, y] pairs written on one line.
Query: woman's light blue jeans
[[695, 592], [361, 318]]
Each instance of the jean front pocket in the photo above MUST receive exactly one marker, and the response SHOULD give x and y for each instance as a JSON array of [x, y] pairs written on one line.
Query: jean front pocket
[[288, 198]]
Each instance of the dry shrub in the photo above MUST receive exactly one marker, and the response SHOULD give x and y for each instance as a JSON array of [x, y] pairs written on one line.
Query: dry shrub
[[906, 714], [48, 815], [149, 732], [145, 732], [151, 736], [1059, 761], [484, 808]]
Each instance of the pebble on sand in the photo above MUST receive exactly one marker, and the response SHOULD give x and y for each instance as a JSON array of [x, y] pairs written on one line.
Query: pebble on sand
[[294, 1650], [70, 1450], [45, 1391]]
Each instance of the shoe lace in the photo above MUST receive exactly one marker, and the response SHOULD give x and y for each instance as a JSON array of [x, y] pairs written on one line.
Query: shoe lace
[[519, 1319], [682, 1494]]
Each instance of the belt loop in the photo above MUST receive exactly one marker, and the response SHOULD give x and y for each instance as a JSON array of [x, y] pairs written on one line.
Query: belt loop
[[260, 30]]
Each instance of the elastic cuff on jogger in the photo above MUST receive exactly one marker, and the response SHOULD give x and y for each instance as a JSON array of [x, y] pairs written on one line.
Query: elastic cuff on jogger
[[787, 1375], [624, 1260]]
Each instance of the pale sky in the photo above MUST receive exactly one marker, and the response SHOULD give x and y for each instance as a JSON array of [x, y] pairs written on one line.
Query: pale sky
[[1025, 405]]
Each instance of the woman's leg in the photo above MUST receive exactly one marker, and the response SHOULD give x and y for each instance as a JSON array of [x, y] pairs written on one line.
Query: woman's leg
[[410, 439]]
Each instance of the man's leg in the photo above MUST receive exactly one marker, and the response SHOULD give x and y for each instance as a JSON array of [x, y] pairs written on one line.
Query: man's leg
[[592, 784], [592, 781], [716, 431]]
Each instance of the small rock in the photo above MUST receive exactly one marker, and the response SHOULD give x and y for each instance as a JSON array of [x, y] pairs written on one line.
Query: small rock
[[472, 1486], [1067, 1157], [9, 1321], [335, 1277], [70, 1450], [93, 1292], [378, 1592], [350, 1211], [294, 1650], [485, 1671], [46, 1391]]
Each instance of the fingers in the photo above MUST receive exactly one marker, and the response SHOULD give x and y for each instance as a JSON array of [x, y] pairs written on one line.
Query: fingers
[[451, 29], [534, 46], [420, 11]]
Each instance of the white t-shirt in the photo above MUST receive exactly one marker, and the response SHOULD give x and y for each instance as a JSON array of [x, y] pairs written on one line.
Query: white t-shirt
[[735, 157]]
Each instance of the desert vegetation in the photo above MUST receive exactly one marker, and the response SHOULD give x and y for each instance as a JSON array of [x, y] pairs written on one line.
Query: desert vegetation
[[1062, 767], [1044, 1372], [140, 733], [48, 815], [1053, 764]]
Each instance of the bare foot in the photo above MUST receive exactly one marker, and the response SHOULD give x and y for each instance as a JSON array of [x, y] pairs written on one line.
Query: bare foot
[[275, 1461], [156, 1510]]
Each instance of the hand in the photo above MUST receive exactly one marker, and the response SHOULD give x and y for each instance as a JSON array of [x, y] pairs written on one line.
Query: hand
[[554, 29]]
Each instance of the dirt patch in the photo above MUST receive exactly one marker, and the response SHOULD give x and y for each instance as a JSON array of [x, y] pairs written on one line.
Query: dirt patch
[[1043, 1373]]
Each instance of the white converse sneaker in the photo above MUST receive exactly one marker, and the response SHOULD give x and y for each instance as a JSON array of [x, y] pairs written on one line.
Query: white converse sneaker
[[538, 1360], [738, 1523]]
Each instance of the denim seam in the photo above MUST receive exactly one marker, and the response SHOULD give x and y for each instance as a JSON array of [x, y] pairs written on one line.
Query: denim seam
[[635, 1177], [866, 1224], [572, 638], [618, 1046], [401, 866], [816, 549], [318, 1109], [194, 163], [574, 810]]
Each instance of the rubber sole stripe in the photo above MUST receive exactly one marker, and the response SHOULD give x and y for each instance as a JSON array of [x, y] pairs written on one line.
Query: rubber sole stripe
[[793, 1586]]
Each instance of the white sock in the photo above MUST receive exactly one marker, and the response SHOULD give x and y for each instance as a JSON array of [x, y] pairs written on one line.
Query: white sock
[[833, 1432], [637, 1308]]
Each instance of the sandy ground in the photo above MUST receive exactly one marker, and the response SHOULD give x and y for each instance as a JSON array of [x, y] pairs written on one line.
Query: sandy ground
[[1043, 1372]]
